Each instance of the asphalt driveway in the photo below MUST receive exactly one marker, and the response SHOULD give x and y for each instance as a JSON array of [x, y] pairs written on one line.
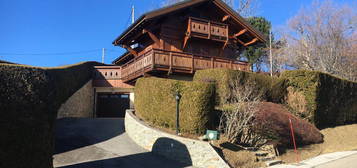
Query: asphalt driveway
[[101, 143]]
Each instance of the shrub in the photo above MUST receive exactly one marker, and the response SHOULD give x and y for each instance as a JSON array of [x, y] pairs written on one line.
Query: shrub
[[29, 100], [222, 78], [155, 102], [238, 114], [272, 121], [328, 100]]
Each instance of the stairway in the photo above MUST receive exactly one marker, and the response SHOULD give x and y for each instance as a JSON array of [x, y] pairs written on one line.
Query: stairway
[[267, 154]]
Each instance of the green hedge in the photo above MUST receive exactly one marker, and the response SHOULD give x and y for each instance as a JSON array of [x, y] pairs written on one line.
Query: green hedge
[[5, 62], [29, 100], [329, 101], [326, 100], [223, 77], [155, 102]]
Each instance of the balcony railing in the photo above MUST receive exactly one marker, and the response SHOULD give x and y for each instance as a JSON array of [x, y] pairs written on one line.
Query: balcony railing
[[108, 76], [170, 61], [107, 72], [207, 29]]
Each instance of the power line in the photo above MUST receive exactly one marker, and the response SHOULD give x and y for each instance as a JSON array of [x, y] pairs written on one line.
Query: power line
[[58, 53]]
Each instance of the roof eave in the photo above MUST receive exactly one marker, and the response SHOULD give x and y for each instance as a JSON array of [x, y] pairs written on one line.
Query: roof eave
[[129, 29], [241, 20], [153, 14]]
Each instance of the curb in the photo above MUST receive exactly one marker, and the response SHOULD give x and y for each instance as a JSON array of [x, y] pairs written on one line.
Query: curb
[[197, 153]]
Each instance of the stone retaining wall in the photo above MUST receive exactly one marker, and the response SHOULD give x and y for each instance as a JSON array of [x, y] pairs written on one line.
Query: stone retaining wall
[[80, 104], [192, 152]]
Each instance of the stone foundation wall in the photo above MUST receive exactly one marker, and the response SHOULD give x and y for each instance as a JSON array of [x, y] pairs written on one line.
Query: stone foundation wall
[[80, 104], [191, 152]]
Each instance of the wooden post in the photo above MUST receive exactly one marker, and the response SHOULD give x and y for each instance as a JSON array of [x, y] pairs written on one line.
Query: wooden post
[[153, 59], [212, 62], [209, 29], [193, 64], [170, 63]]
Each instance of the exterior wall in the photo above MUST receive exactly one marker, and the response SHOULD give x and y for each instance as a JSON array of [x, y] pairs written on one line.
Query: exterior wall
[[80, 104], [110, 83], [200, 154], [131, 97]]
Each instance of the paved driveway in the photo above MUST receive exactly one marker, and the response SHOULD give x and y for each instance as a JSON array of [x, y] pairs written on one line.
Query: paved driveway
[[101, 143]]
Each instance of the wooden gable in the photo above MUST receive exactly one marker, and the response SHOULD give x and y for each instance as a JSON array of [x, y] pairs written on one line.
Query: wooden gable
[[215, 10], [200, 27]]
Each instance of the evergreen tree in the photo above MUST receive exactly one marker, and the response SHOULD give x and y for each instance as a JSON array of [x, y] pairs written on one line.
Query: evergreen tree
[[256, 54]]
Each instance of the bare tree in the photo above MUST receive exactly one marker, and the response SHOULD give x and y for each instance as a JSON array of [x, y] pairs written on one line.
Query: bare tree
[[237, 116], [323, 37], [246, 8]]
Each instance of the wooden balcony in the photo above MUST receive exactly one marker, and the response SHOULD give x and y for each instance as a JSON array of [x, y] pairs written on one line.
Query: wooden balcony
[[108, 76], [161, 60], [202, 28]]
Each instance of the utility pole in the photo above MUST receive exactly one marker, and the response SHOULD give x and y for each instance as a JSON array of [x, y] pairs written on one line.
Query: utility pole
[[271, 54], [103, 54], [132, 14]]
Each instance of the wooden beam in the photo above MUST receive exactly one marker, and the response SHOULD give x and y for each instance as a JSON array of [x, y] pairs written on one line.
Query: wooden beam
[[251, 42], [240, 33], [132, 51], [225, 18], [187, 34], [185, 41], [225, 45], [152, 36], [241, 42]]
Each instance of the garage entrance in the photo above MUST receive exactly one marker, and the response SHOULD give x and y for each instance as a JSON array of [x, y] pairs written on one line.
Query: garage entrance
[[112, 104]]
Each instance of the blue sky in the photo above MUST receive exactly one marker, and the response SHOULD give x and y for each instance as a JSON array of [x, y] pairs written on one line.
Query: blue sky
[[60, 32]]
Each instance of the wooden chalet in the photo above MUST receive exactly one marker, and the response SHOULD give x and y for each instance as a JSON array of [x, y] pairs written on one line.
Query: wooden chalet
[[182, 38], [173, 42]]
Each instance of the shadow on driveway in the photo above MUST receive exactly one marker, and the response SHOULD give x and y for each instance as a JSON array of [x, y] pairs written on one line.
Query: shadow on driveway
[[74, 133], [102, 143]]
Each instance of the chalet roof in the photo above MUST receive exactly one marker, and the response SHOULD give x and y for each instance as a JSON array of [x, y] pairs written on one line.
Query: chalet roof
[[147, 17]]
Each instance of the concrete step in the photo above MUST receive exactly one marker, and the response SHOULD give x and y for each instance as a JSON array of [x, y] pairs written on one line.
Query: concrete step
[[260, 153], [273, 162], [268, 158]]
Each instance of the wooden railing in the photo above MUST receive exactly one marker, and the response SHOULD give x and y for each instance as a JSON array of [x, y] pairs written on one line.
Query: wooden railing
[[108, 76], [107, 72], [138, 65], [170, 61], [207, 29]]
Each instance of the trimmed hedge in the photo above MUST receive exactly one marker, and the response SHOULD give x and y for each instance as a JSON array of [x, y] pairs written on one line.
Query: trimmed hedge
[[223, 78], [329, 101], [155, 103], [29, 100], [322, 99], [6, 62]]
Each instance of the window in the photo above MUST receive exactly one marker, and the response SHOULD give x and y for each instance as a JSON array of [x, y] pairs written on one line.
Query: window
[[124, 96]]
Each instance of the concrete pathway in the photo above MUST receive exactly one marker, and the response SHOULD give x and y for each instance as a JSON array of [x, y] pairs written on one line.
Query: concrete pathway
[[346, 162], [347, 159], [101, 143]]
